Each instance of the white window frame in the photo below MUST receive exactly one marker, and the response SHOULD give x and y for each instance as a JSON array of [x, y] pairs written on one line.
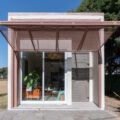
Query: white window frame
[[67, 86]]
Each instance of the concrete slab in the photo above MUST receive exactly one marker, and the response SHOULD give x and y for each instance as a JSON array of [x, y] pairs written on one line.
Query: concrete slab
[[74, 106], [56, 115]]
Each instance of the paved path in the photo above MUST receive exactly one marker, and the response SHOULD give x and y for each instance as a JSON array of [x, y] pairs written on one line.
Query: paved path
[[56, 115]]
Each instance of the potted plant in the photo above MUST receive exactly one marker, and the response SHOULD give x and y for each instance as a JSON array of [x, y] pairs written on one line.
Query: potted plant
[[31, 80]]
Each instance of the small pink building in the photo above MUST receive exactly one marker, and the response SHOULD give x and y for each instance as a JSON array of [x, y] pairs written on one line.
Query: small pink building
[[56, 60]]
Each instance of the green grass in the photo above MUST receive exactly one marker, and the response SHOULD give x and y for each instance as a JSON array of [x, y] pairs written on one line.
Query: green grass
[[3, 101]]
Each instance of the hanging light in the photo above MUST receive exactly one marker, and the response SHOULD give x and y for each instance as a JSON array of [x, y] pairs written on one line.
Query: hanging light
[[55, 56]]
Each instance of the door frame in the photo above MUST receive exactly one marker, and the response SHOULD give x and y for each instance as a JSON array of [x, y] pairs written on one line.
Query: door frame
[[67, 84]]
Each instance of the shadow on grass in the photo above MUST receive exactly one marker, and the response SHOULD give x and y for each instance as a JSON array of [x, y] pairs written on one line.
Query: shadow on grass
[[3, 94], [117, 109], [112, 95], [3, 101]]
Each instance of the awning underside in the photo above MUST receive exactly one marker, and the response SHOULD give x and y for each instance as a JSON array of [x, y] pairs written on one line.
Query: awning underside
[[52, 38]]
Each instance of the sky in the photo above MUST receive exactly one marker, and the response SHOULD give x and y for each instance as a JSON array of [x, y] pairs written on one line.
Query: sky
[[30, 6]]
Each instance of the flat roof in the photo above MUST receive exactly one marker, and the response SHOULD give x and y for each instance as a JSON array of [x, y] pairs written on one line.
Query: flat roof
[[54, 13], [54, 16]]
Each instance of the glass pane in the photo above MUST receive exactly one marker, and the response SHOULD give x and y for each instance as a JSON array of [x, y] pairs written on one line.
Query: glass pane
[[31, 68], [54, 77]]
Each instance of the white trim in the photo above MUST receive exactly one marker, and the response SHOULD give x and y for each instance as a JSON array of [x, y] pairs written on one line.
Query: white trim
[[102, 76], [65, 16], [69, 81], [10, 70], [43, 102], [9, 77], [90, 80], [69, 87], [65, 75], [56, 13], [102, 70], [43, 75]]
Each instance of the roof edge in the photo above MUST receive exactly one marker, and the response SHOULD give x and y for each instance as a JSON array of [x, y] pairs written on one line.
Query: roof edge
[[54, 13]]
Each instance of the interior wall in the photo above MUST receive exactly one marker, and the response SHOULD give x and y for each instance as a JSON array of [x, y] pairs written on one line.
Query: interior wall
[[32, 61]]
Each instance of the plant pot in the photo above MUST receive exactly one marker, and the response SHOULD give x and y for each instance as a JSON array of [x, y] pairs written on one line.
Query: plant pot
[[29, 89]]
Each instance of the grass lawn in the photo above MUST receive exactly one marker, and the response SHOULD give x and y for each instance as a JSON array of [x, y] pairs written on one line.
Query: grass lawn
[[3, 93]]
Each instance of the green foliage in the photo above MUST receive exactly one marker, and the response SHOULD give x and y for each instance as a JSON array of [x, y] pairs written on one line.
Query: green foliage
[[31, 79], [112, 83], [3, 72], [117, 40], [89, 6], [111, 8]]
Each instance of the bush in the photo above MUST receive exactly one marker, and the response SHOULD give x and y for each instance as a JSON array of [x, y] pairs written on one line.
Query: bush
[[112, 84]]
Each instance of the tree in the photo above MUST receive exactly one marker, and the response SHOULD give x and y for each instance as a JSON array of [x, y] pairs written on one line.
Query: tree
[[3, 72], [111, 9]]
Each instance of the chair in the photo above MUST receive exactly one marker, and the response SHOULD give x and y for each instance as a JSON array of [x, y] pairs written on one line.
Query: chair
[[60, 95]]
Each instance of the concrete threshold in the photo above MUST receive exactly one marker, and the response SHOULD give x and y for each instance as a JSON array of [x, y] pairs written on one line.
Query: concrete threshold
[[75, 106]]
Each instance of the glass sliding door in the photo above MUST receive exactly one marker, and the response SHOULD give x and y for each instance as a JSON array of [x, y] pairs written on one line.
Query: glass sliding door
[[31, 64], [42, 76], [54, 77]]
